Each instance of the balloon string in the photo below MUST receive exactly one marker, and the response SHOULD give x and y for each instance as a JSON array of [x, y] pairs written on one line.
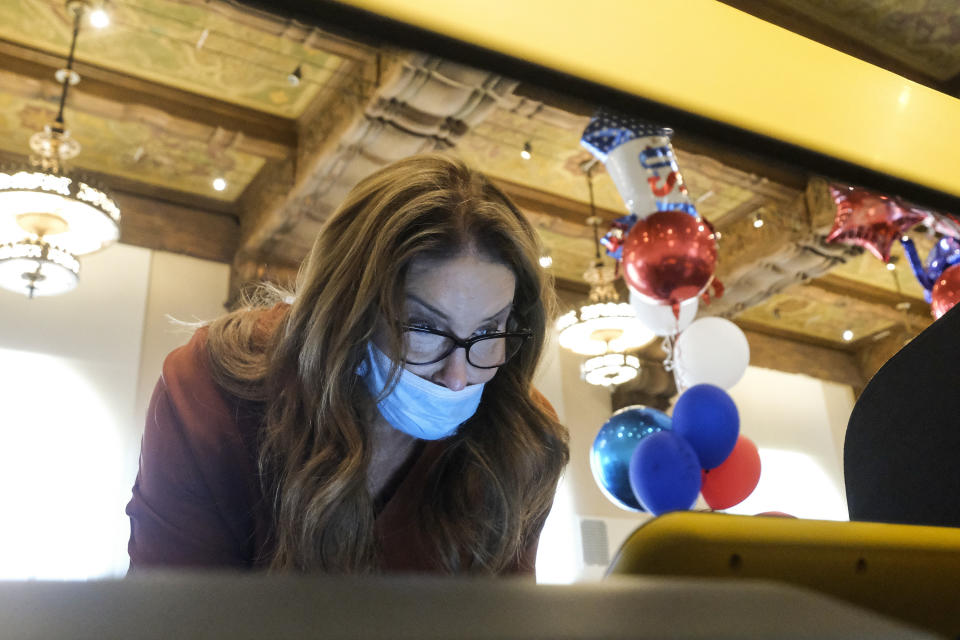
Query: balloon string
[[670, 362]]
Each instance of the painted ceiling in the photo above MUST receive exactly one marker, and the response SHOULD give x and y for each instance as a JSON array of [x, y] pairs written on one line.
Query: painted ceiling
[[187, 45]]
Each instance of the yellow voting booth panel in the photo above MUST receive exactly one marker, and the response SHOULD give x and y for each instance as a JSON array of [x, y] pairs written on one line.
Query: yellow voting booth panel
[[904, 571]]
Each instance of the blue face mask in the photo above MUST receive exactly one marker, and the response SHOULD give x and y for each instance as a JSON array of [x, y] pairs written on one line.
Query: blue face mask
[[417, 406]]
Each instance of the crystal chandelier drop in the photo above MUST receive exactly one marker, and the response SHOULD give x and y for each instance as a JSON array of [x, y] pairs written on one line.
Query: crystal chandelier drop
[[48, 216], [603, 326]]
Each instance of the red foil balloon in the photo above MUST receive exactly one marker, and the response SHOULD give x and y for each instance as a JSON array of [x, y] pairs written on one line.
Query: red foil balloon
[[870, 220], [669, 257], [735, 478], [946, 291]]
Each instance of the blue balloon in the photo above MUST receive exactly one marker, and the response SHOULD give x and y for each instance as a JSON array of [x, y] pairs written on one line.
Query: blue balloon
[[613, 447], [707, 418], [665, 473]]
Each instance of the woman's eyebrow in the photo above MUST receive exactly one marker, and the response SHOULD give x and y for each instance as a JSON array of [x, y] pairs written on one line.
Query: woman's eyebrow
[[428, 307], [500, 313]]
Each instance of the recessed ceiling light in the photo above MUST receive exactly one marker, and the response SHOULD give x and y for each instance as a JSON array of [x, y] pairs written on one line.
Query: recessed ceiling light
[[848, 335], [99, 19], [295, 77], [219, 184]]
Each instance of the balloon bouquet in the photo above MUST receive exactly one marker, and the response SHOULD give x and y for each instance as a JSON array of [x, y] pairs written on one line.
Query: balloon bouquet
[[643, 459], [874, 222]]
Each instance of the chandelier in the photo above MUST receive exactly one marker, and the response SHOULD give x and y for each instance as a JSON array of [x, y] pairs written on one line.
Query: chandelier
[[47, 215], [603, 326], [610, 369]]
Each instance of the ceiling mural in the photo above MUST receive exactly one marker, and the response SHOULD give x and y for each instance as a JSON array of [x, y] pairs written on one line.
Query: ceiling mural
[[825, 321], [556, 158], [131, 149], [186, 45]]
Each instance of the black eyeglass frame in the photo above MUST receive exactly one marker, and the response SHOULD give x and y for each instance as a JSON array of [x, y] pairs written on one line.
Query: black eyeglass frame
[[466, 344]]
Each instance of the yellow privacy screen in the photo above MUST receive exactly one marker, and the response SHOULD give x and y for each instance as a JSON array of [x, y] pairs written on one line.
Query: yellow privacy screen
[[709, 59], [904, 571]]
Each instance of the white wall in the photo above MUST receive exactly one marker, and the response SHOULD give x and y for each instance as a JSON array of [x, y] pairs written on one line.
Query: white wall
[[181, 290], [797, 422], [72, 373]]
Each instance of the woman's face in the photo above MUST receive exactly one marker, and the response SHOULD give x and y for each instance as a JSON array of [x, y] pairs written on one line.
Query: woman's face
[[467, 296]]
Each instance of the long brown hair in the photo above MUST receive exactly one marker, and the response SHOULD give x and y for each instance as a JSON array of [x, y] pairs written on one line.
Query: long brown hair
[[492, 488]]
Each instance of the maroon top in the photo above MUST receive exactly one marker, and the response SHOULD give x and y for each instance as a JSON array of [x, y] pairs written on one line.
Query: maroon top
[[197, 501]]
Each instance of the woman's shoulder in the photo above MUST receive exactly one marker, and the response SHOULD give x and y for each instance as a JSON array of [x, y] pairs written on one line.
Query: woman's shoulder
[[190, 365], [200, 401]]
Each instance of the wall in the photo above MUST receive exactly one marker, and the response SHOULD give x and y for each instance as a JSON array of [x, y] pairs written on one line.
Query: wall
[[72, 378], [796, 421]]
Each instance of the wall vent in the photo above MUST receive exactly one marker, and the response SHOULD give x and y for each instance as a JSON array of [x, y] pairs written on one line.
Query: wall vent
[[596, 549]]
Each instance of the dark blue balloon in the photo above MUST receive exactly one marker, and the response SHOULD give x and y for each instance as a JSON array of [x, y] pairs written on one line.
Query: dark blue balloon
[[665, 473], [707, 418], [613, 447]]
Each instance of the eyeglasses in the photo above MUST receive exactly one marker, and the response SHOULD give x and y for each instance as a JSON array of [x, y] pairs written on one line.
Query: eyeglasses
[[427, 346]]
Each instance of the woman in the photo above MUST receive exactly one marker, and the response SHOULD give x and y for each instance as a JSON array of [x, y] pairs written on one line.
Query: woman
[[385, 421]]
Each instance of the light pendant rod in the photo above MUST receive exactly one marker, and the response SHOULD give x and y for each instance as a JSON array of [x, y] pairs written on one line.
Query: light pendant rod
[[77, 8], [593, 214]]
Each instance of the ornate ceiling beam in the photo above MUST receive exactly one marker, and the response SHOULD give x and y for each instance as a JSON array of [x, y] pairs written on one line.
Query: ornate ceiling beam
[[164, 226], [420, 103]]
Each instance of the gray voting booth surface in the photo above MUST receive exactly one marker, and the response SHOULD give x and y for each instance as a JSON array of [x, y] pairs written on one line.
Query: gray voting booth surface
[[239, 606]]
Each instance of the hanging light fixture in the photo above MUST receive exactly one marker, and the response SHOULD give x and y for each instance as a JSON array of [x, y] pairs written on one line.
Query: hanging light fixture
[[47, 215], [610, 369], [603, 325], [37, 268]]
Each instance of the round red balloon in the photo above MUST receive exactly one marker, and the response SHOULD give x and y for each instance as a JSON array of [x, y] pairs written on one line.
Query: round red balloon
[[946, 291], [669, 257], [735, 478]]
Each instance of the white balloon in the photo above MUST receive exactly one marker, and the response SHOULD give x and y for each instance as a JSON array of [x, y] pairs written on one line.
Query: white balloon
[[711, 351], [659, 318]]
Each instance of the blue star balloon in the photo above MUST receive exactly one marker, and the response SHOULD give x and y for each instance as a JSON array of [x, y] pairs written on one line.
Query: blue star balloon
[[614, 446], [944, 255]]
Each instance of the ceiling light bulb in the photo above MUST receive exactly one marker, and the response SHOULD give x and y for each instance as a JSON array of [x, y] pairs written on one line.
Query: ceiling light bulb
[[546, 262], [219, 184], [891, 266], [295, 77], [100, 19], [527, 151], [757, 222], [848, 335]]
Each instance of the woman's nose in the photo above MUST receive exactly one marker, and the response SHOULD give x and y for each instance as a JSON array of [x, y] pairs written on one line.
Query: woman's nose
[[453, 375]]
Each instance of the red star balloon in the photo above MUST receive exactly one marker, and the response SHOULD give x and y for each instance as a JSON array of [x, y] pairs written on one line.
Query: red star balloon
[[870, 220]]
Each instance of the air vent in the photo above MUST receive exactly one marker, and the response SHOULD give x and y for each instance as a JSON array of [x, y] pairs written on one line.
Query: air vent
[[596, 549]]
